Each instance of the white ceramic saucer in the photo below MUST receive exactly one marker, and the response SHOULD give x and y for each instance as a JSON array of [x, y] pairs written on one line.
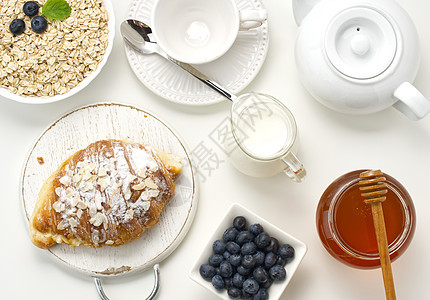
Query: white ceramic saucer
[[235, 70]]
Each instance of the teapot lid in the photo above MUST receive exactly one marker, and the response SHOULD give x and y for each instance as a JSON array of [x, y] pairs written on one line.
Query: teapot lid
[[360, 42]]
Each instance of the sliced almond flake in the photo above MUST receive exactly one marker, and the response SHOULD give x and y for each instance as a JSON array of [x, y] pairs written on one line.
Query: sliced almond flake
[[127, 193], [140, 186], [57, 206], [87, 186], [142, 173], [61, 225], [102, 172], [103, 182], [75, 200], [105, 222], [153, 168], [90, 167], [88, 176], [144, 196], [70, 193], [58, 191], [65, 180], [77, 178], [99, 218], [82, 205], [146, 205], [130, 212], [92, 209], [73, 223], [154, 193], [151, 184], [79, 213], [92, 220], [109, 242]]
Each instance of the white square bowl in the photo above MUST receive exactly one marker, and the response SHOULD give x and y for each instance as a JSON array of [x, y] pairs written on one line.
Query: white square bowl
[[277, 288]]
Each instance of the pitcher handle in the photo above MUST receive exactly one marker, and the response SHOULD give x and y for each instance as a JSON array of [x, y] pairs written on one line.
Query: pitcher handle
[[411, 102], [151, 296], [295, 169]]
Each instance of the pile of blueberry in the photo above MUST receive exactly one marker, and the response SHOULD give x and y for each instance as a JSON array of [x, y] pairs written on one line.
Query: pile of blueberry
[[246, 261], [38, 23]]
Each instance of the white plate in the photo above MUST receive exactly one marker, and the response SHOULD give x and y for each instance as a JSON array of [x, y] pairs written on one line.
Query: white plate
[[234, 70], [42, 100], [277, 288], [78, 129]]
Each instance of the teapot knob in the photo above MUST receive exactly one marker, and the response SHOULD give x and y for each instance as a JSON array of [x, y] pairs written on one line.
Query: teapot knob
[[360, 44]]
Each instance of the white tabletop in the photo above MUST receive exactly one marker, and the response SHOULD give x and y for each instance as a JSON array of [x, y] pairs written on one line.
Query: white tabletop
[[331, 145]]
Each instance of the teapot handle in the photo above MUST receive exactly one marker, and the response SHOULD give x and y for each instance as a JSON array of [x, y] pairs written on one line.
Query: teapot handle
[[301, 8], [411, 102]]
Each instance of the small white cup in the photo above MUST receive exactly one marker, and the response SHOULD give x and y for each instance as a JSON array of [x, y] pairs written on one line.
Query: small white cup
[[263, 138], [200, 31]]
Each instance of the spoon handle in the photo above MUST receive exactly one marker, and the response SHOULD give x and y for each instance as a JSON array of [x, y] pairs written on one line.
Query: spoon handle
[[203, 78]]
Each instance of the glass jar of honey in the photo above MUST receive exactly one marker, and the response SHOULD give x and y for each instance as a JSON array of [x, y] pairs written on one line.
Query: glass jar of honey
[[345, 222]]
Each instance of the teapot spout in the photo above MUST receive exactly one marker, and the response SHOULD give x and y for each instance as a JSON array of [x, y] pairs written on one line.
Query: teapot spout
[[301, 8]]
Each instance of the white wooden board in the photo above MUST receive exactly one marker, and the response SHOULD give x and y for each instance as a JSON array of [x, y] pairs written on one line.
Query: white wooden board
[[78, 129]]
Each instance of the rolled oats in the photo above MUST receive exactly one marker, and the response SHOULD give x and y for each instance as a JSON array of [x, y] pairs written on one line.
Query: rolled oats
[[57, 60]]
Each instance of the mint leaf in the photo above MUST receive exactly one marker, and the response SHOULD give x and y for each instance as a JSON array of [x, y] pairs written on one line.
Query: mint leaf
[[56, 9]]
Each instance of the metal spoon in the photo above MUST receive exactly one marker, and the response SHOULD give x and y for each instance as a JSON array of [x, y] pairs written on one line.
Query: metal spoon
[[138, 36]]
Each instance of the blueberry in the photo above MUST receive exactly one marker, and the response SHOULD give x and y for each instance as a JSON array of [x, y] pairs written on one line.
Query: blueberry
[[31, 8], [243, 271], [273, 246], [39, 24], [248, 261], [225, 269], [232, 247], [226, 255], [246, 295], [267, 284], [251, 286], [277, 273], [17, 26], [281, 261], [239, 223], [256, 229], [215, 260], [248, 248], [270, 260], [286, 252], [207, 271], [262, 294], [235, 260], [230, 234], [259, 258], [260, 274], [234, 292], [218, 282], [228, 282], [244, 237], [262, 240], [238, 280], [218, 247]]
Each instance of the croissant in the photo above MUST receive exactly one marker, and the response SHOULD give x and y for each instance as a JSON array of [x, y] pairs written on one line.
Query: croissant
[[106, 194]]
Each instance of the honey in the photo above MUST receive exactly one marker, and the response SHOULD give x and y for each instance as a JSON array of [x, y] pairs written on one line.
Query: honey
[[345, 222]]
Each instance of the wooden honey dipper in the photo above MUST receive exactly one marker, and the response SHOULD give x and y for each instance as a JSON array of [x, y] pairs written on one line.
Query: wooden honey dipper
[[373, 187]]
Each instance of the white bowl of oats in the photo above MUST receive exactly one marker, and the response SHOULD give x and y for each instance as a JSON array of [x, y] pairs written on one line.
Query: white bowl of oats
[[59, 62]]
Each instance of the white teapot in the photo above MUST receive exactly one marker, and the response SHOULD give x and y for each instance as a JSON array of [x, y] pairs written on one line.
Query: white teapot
[[359, 56]]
